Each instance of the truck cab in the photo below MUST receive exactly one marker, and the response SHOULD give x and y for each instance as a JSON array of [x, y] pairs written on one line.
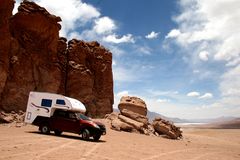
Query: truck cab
[[73, 122]]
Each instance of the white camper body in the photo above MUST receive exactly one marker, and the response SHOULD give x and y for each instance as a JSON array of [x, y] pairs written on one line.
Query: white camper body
[[44, 104]]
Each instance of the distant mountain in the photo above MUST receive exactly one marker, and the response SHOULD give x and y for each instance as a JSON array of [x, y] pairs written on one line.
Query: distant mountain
[[116, 110], [234, 124], [212, 120], [152, 115], [228, 124], [220, 120]]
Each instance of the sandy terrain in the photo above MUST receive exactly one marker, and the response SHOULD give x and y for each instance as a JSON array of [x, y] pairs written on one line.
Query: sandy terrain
[[25, 143]]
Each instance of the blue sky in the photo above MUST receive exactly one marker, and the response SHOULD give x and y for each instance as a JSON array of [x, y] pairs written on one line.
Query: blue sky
[[182, 57]]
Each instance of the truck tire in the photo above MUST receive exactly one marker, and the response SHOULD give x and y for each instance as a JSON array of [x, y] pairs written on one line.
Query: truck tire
[[44, 128], [57, 132], [96, 137], [85, 134]]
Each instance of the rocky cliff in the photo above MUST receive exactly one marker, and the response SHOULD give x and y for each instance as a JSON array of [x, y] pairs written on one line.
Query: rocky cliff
[[34, 57]]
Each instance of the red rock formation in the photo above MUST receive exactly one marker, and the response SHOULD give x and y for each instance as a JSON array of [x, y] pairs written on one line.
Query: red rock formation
[[132, 118], [6, 7], [90, 76], [162, 126], [62, 55], [135, 116], [133, 104], [33, 57]]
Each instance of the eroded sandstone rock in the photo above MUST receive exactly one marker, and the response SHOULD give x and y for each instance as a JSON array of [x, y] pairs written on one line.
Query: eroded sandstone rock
[[133, 104], [6, 7], [33, 55], [165, 127], [90, 76], [131, 121], [118, 125], [111, 116], [135, 116], [135, 124], [16, 117]]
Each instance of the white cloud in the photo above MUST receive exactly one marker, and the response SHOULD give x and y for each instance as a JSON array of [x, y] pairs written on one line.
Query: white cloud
[[121, 74], [188, 111], [198, 95], [74, 34], [181, 109], [163, 100], [152, 35], [162, 93], [204, 55], [193, 94], [104, 25], [73, 13], [116, 50], [173, 33], [17, 3], [114, 63], [206, 96], [122, 93], [196, 71], [113, 38], [234, 62], [230, 84], [144, 49], [216, 26], [212, 26]]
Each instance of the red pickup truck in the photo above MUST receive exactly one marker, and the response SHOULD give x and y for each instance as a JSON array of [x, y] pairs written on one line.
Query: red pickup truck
[[69, 121]]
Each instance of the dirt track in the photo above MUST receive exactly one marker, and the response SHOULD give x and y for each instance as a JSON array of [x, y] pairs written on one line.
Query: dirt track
[[26, 143]]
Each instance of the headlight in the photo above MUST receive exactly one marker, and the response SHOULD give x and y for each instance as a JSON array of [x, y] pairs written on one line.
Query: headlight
[[95, 125]]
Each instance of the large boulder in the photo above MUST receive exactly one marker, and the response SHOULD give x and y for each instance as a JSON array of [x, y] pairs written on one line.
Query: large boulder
[[135, 116], [12, 117], [133, 104], [165, 127], [118, 125], [111, 116], [132, 118], [122, 123], [137, 125]]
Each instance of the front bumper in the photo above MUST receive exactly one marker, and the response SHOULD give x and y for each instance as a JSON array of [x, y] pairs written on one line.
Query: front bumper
[[96, 131], [104, 133]]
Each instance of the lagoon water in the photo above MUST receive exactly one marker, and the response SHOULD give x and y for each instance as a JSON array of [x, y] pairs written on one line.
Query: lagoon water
[[186, 124]]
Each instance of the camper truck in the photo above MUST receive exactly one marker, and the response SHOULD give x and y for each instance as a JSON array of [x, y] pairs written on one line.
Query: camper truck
[[58, 113]]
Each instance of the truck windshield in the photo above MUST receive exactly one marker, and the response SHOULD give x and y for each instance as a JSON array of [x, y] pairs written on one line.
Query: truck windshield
[[83, 117]]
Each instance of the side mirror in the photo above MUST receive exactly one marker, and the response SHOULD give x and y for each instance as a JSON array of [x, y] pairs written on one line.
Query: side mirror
[[72, 116]]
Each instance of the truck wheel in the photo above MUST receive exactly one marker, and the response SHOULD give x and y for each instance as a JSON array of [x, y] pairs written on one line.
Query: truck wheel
[[96, 137], [44, 128], [85, 134], [57, 132]]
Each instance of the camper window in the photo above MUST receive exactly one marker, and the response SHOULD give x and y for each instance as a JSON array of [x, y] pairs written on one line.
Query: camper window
[[60, 101], [46, 102]]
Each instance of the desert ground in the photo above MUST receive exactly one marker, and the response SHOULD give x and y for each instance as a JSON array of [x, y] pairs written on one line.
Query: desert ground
[[26, 143]]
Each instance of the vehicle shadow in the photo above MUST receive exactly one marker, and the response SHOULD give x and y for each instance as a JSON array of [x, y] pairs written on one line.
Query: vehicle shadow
[[66, 136]]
